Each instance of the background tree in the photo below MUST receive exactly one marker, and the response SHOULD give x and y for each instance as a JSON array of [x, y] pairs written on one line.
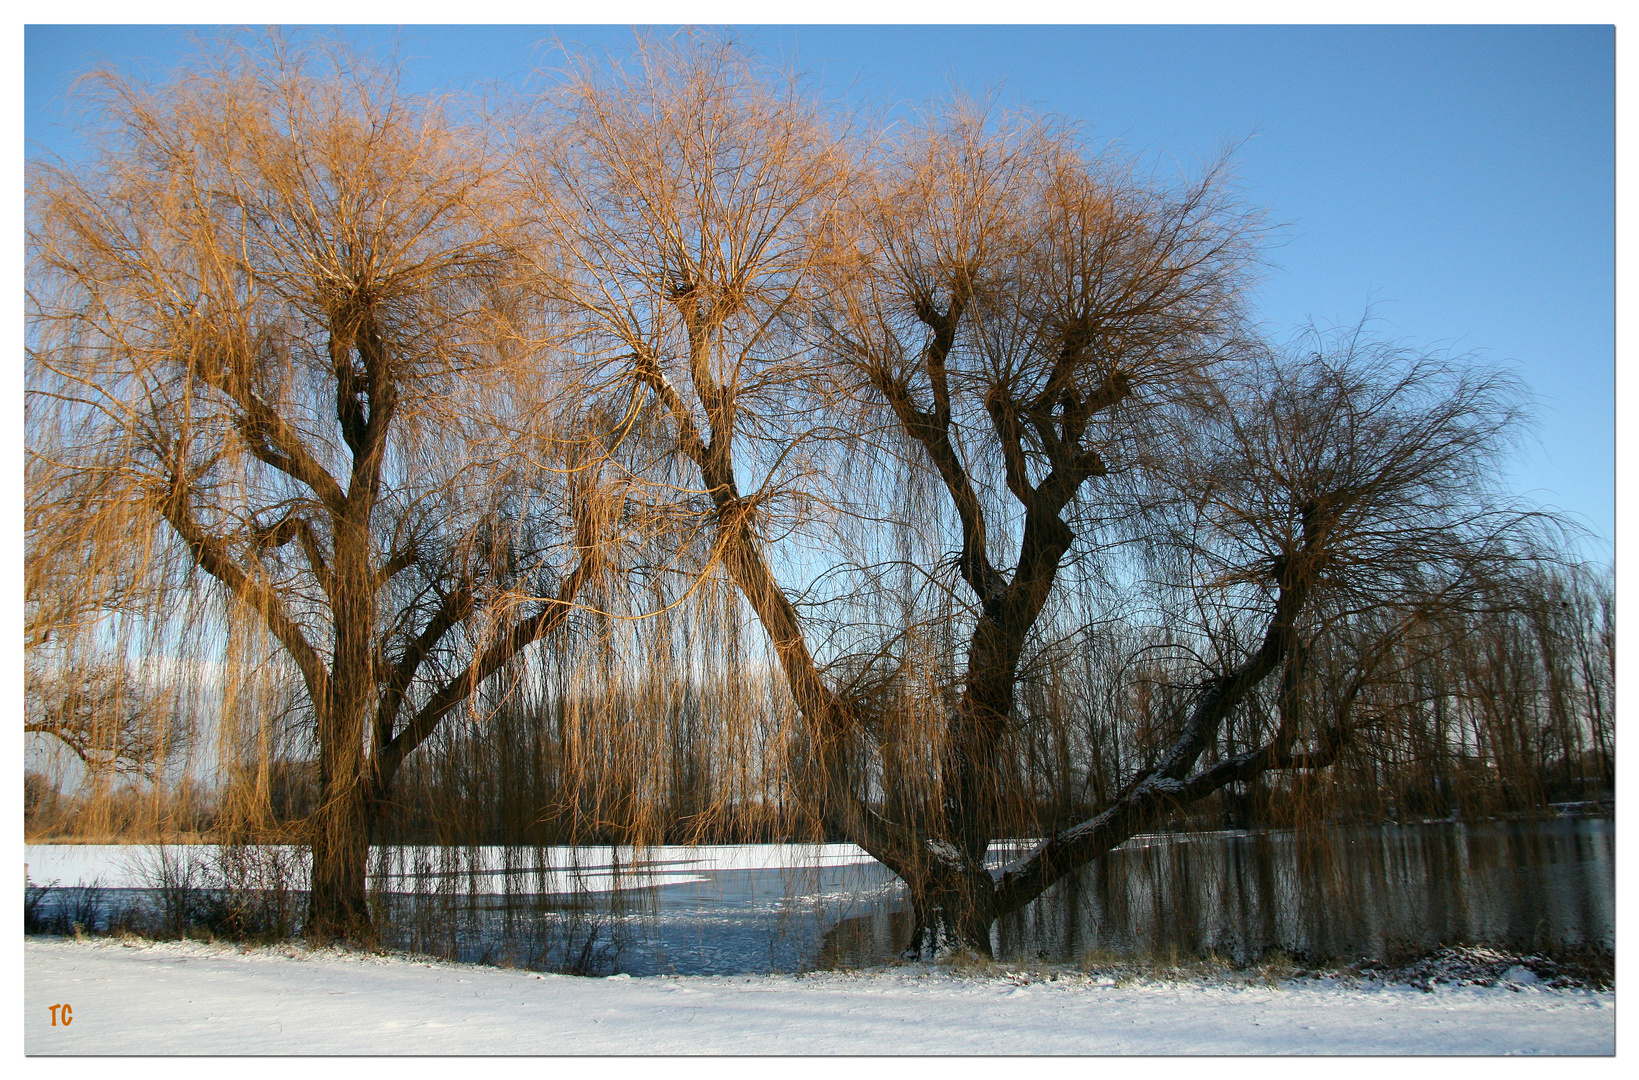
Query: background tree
[[268, 324]]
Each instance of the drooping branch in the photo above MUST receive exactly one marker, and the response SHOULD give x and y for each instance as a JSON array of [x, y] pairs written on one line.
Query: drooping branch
[[932, 431], [398, 562], [210, 555], [454, 607], [294, 525], [1143, 805], [492, 659], [688, 434]]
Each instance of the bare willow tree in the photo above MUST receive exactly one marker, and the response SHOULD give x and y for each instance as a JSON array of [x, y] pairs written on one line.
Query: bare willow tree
[[1023, 312], [1002, 360], [688, 197], [269, 329], [1303, 516]]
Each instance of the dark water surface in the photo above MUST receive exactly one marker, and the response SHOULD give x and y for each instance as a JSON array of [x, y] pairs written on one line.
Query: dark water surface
[[1340, 893], [1381, 892]]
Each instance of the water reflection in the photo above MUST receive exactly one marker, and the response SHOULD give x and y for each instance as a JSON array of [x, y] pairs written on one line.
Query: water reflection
[[1382, 892]]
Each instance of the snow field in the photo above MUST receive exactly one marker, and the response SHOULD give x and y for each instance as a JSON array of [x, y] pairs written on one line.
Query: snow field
[[192, 998]]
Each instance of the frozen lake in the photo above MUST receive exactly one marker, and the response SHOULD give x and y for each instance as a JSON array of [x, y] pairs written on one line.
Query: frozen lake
[[663, 910], [1345, 893]]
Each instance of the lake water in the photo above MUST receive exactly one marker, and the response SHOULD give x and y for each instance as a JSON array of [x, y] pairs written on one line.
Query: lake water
[[1335, 893], [1382, 892]]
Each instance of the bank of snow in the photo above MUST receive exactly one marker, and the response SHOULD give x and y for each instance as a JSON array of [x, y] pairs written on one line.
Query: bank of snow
[[191, 998]]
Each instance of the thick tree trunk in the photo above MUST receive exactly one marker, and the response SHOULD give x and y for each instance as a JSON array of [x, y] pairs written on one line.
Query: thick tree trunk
[[952, 911], [338, 908]]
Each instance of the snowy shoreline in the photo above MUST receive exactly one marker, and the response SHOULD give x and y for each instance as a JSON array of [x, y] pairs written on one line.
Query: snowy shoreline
[[162, 998]]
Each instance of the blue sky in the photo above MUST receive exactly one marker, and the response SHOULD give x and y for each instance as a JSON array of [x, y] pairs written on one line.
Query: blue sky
[[1457, 184]]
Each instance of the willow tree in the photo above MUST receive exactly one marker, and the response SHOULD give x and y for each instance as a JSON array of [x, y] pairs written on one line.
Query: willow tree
[[1060, 341], [690, 196], [984, 358], [269, 325]]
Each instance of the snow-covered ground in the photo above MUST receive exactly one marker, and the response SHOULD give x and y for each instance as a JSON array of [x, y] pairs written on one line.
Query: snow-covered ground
[[192, 998]]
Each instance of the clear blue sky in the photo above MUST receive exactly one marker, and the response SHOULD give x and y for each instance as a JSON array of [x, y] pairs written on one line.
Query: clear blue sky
[[1456, 182]]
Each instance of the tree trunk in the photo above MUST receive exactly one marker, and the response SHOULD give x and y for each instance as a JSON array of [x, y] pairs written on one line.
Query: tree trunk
[[338, 908], [348, 775], [952, 911]]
